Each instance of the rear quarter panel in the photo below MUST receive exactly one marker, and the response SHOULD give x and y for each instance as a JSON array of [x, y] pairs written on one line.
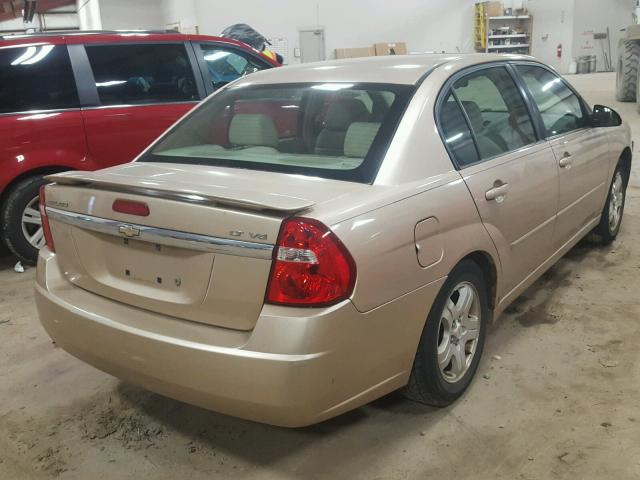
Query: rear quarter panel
[[383, 241]]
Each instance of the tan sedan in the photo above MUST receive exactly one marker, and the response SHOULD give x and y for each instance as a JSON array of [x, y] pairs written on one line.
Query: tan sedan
[[311, 238]]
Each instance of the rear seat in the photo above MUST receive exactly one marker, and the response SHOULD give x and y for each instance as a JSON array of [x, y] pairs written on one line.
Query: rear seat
[[340, 115], [253, 130], [359, 138]]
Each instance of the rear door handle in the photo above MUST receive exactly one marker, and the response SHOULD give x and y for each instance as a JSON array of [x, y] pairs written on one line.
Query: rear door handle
[[566, 160], [497, 193]]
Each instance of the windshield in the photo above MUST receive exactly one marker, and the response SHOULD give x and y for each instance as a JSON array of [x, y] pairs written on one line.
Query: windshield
[[331, 130]]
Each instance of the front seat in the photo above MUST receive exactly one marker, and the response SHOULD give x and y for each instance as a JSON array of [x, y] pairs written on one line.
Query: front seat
[[340, 115]]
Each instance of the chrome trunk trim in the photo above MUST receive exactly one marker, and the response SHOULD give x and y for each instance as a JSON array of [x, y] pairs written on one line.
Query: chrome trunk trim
[[162, 236]]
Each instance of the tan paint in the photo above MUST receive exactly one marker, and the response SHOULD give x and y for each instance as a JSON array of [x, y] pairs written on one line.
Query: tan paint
[[211, 341], [429, 246]]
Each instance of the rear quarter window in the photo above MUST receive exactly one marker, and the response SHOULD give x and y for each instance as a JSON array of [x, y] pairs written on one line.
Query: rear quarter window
[[36, 78]]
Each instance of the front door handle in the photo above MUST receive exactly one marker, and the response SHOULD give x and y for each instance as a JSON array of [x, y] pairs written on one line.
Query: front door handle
[[566, 160], [497, 193]]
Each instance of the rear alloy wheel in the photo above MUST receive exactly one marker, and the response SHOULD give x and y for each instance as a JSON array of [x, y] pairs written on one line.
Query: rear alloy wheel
[[458, 332], [453, 338], [611, 219], [21, 224]]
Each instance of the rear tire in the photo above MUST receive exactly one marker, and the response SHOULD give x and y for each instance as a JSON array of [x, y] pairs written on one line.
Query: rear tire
[[611, 219], [20, 228], [627, 72], [448, 332]]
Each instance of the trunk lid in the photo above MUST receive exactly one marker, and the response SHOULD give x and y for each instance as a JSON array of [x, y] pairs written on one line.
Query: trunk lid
[[203, 253]]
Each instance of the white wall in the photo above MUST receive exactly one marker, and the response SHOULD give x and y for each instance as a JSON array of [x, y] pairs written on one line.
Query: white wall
[[46, 20], [423, 24], [131, 14], [182, 12], [89, 14], [594, 16], [553, 25]]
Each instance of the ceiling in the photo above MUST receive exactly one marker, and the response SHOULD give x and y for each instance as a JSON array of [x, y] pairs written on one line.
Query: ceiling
[[10, 9]]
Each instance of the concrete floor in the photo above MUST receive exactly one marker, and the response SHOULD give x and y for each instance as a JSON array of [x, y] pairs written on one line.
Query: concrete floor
[[557, 395]]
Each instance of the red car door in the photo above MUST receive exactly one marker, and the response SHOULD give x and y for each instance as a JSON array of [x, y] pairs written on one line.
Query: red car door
[[117, 135], [141, 90]]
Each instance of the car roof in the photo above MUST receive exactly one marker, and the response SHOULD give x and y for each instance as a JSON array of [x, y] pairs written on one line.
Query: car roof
[[119, 36], [392, 69], [78, 36]]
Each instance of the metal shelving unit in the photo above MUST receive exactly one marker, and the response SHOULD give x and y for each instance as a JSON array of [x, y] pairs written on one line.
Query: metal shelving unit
[[502, 34]]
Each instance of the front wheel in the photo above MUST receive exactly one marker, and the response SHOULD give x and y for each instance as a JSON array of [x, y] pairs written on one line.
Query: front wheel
[[21, 224], [452, 340], [611, 219]]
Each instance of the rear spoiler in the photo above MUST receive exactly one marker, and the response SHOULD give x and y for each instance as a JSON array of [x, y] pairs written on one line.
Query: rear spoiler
[[190, 193]]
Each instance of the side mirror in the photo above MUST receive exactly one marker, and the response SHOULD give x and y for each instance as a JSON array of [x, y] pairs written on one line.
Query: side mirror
[[605, 117]]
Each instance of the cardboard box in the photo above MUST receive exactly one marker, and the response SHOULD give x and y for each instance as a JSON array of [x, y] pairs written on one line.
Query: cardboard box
[[493, 9], [396, 48], [355, 52]]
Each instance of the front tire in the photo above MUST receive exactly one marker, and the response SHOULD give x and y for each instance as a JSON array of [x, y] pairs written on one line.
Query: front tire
[[611, 219], [21, 225], [452, 340]]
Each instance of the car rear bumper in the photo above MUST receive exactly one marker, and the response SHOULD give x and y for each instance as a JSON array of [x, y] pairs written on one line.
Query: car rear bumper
[[295, 368]]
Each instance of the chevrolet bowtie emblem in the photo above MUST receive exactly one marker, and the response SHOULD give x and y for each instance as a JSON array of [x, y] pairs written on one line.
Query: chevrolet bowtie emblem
[[129, 231]]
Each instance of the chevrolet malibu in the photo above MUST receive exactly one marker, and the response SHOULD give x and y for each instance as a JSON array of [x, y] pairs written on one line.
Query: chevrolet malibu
[[311, 238]]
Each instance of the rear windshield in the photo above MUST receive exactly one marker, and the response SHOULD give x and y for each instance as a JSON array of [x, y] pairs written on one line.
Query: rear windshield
[[330, 130]]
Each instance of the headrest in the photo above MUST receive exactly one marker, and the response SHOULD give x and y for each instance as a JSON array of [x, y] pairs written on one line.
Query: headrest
[[255, 129], [342, 112], [359, 138]]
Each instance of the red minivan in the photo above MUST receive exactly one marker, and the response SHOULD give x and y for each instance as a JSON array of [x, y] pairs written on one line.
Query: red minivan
[[89, 100]]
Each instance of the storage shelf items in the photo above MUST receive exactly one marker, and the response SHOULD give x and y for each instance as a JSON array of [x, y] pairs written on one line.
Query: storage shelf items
[[507, 47], [516, 35], [499, 31], [511, 17]]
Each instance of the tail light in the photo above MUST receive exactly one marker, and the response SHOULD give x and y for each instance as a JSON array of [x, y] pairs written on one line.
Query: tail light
[[46, 229], [311, 267]]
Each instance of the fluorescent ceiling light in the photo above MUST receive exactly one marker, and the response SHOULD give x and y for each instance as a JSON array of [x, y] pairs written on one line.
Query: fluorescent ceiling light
[[212, 57], [110, 83], [333, 87], [30, 52], [44, 51]]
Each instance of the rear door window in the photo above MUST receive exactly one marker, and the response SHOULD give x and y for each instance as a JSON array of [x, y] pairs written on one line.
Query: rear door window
[[142, 74], [495, 110], [36, 78], [224, 65], [560, 108]]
